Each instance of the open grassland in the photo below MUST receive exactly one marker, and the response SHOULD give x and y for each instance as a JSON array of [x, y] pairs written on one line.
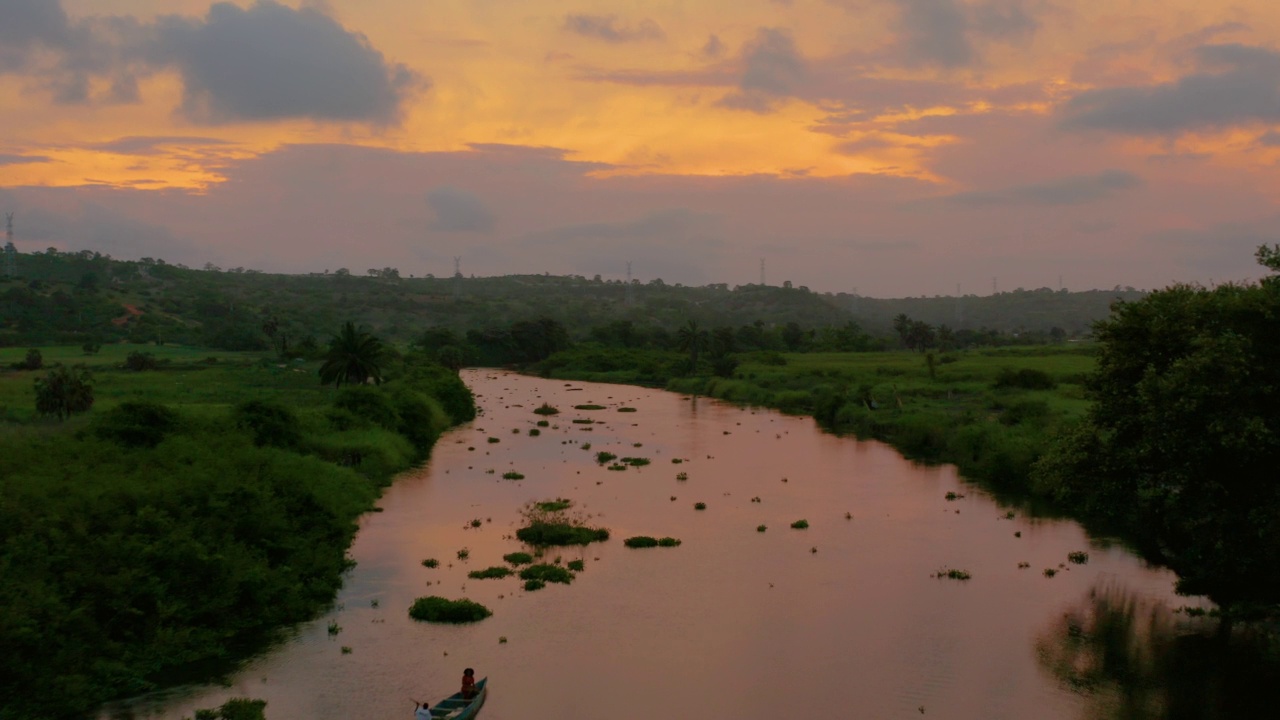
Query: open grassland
[[991, 412], [191, 513]]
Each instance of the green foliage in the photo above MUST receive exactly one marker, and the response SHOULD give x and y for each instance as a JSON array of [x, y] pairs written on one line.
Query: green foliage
[[800, 525], [576, 565], [137, 424], [547, 572], [354, 357], [531, 585], [699, 506], [1024, 379], [556, 505], [236, 709], [761, 528], [64, 391], [141, 361], [436, 609], [512, 475], [33, 361], [497, 571], [545, 409], [1078, 557], [641, 541], [668, 542], [545, 532], [518, 558], [369, 405], [953, 574], [588, 407], [431, 563], [271, 424], [603, 457]]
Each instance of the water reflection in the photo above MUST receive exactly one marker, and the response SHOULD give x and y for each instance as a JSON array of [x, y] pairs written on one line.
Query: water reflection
[[1136, 658]]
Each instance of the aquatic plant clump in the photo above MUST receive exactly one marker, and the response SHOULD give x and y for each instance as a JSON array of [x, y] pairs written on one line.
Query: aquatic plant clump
[[489, 573], [576, 565], [668, 542], [547, 573], [545, 409], [554, 505], [635, 461], [1078, 557], [953, 574], [800, 525], [431, 563], [560, 533], [626, 409], [512, 475], [640, 541], [437, 609], [761, 528], [532, 585], [603, 457], [588, 407], [700, 506], [518, 558]]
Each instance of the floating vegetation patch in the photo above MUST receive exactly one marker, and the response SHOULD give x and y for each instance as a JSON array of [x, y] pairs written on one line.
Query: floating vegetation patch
[[755, 499], [546, 573], [437, 609], [954, 496], [761, 528], [1024, 565], [617, 467], [1078, 557], [800, 525], [640, 541], [626, 409], [583, 421], [512, 475], [635, 461], [464, 553], [556, 505], [668, 542], [334, 627], [545, 532], [431, 563], [952, 574], [532, 585], [543, 423], [1050, 572], [586, 446], [603, 457], [576, 565], [534, 432], [682, 476], [490, 573], [475, 522], [588, 407], [545, 409], [494, 440], [700, 506], [518, 558], [676, 461]]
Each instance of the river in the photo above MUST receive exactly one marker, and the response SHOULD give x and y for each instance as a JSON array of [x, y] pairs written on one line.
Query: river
[[844, 619]]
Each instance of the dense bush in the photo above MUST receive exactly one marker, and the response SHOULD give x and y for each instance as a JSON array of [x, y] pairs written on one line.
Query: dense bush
[[1025, 379], [271, 424], [442, 610], [137, 424], [140, 361]]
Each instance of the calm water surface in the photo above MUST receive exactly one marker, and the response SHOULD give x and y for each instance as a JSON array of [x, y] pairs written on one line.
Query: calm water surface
[[842, 620]]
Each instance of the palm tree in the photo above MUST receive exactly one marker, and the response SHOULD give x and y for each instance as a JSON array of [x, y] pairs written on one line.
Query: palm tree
[[690, 338], [353, 357]]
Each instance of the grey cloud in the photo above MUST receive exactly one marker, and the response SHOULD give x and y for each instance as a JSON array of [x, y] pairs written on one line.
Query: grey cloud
[[457, 210], [1271, 138], [662, 223], [1065, 191], [773, 68], [9, 159], [272, 62], [1237, 84], [609, 29], [26, 24], [713, 48], [942, 33]]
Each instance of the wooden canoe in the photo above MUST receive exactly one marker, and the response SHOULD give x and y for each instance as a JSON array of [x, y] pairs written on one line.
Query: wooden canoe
[[456, 707]]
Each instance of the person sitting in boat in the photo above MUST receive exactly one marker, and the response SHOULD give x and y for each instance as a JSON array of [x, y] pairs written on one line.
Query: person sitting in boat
[[421, 711], [468, 683]]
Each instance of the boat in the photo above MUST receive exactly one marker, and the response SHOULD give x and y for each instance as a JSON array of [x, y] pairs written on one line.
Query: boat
[[456, 707]]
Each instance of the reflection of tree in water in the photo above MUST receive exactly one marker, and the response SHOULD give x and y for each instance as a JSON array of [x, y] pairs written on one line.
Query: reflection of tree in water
[[1138, 660]]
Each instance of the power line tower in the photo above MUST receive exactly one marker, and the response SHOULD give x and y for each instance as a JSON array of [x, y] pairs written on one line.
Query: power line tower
[[457, 277], [10, 252], [631, 294]]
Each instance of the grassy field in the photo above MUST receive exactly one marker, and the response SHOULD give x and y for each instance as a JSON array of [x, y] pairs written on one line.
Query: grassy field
[[991, 412]]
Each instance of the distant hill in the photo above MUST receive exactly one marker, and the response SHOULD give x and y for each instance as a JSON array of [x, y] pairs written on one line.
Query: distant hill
[[74, 297]]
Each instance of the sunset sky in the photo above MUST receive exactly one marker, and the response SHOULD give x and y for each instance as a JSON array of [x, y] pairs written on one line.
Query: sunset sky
[[899, 147]]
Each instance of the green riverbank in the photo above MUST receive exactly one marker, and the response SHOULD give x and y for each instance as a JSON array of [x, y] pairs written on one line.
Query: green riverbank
[[199, 508], [990, 412]]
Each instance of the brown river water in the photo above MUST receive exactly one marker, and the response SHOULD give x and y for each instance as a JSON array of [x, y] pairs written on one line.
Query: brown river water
[[841, 620]]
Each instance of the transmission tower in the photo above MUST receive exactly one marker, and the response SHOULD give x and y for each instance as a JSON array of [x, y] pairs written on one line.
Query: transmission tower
[[631, 295], [10, 252]]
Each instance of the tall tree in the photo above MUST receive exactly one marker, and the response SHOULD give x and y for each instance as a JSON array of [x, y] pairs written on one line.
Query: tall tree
[[64, 391], [691, 339], [354, 356]]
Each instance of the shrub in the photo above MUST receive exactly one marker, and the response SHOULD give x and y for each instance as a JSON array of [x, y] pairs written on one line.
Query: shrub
[[33, 361], [137, 424], [547, 573], [140, 361], [518, 558], [497, 571], [1025, 379], [369, 404], [800, 525], [442, 610], [271, 424], [64, 391]]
